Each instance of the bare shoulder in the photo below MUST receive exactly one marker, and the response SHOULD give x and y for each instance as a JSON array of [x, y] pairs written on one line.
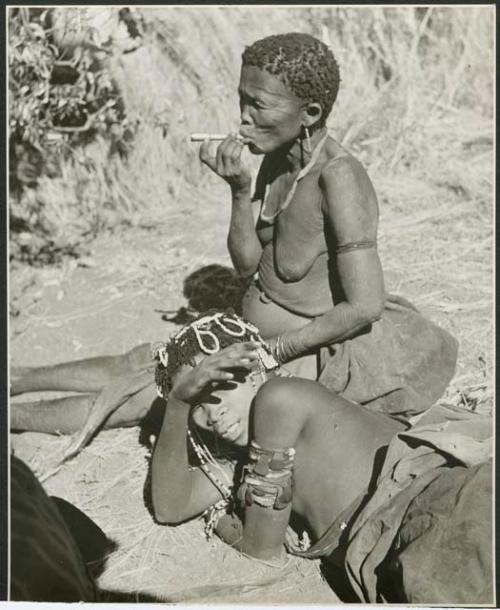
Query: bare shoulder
[[342, 170], [283, 408], [350, 199], [288, 410]]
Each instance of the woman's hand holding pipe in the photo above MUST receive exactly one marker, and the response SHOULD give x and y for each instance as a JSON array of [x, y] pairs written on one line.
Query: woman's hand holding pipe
[[243, 244], [227, 163]]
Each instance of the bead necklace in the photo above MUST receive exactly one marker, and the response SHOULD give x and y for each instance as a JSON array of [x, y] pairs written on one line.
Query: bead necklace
[[207, 460]]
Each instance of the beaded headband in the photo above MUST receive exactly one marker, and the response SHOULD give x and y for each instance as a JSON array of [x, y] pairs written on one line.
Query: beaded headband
[[209, 343]]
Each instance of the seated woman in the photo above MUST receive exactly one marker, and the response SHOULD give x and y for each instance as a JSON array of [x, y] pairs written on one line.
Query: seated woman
[[406, 513], [318, 292]]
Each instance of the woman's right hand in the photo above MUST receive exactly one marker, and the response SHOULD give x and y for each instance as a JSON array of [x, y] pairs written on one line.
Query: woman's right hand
[[227, 163], [192, 382]]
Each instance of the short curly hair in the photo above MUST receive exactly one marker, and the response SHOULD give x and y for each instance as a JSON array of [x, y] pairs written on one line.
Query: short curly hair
[[306, 66]]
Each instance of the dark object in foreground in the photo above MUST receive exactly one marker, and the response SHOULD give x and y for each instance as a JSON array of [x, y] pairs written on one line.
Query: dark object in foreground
[[46, 564]]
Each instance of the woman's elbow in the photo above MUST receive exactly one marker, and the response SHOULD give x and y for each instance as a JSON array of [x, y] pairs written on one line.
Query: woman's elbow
[[246, 273], [159, 513], [165, 517], [245, 269], [371, 311], [162, 512]]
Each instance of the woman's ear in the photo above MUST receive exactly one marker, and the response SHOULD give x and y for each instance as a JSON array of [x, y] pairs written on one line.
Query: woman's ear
[[312, 114]]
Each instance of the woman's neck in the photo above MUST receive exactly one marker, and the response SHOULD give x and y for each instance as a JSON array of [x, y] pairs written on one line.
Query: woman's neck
[[297, 155]]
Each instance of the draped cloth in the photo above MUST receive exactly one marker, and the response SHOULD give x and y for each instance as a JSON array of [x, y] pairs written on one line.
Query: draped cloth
[[401, 366], [424, 535]]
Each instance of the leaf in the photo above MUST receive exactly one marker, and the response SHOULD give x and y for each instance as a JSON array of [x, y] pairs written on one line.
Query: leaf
[[37, 30]]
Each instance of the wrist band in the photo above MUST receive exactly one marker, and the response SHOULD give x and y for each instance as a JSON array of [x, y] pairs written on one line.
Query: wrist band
[[278, 350]]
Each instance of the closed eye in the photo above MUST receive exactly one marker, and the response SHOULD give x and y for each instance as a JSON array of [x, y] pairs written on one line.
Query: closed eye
[[251, 101], [258, 104]]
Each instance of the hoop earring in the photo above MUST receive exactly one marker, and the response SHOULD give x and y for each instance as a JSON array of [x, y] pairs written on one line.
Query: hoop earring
[[307, 147]]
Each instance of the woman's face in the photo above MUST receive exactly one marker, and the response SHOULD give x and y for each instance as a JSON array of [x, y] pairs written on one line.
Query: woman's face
[[225, 409], [271, 116]]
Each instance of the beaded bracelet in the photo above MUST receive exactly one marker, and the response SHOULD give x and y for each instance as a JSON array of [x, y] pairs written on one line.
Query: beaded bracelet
[[278, 351]]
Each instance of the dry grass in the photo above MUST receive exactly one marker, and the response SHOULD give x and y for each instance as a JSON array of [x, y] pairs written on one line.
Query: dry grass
[[417, 94], [425, 136], [154, 562]]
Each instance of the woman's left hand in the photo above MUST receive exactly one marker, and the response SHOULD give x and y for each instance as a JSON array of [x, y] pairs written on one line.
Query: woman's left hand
[[213, 369]]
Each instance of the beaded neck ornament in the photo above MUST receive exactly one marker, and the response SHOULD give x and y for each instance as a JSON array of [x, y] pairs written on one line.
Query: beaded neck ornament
[[208, 335]]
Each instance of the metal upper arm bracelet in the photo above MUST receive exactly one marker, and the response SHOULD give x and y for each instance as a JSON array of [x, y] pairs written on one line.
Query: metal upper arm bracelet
[[355, 245], [267, 479]]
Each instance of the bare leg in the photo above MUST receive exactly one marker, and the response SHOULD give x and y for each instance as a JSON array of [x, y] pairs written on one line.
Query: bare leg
[[89, 375], [69, 414]]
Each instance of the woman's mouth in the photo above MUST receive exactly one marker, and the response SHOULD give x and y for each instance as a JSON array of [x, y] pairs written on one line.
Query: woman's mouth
[[248, 139], [247, 136], [231, 432]]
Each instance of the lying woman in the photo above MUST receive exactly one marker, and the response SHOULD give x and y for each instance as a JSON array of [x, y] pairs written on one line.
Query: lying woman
[[318, 293], [406, 513]]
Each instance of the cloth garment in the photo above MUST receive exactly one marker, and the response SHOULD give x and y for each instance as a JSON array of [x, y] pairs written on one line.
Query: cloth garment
[[46, 564], [401, 366], [444, 549], [424, 535]]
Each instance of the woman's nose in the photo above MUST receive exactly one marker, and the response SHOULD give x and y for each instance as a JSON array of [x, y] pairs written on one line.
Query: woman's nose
[[245, 114], [215, 413]]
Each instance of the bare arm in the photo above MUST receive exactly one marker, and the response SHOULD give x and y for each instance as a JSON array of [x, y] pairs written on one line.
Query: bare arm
[[243, 243], [276, 428], [352, 216], [178, 493]]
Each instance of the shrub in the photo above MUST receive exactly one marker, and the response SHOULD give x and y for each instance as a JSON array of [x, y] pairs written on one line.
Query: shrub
[[59, 102]]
